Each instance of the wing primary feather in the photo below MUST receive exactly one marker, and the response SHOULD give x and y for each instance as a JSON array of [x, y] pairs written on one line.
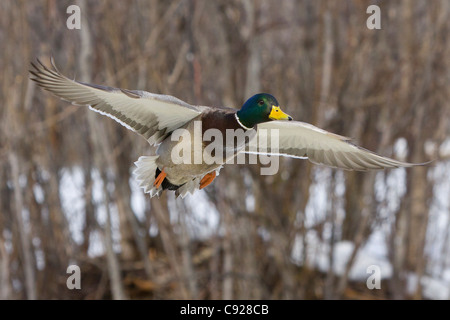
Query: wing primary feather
[[152, 114], [326, 148], [337, 161]]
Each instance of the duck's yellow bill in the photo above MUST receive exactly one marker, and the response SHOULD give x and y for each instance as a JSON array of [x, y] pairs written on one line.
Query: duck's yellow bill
[[277, 114]]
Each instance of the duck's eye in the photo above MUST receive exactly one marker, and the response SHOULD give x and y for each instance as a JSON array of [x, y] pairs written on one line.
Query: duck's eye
[[260, 103]]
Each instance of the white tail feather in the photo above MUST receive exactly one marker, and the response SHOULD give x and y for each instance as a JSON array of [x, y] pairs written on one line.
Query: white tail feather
[[189, 187], [145, 174]]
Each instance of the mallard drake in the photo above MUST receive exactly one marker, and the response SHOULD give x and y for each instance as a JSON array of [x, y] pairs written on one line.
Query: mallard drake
[[158, 117]]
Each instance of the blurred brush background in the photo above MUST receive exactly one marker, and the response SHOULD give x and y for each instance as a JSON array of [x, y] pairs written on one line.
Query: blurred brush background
[[67, 194]]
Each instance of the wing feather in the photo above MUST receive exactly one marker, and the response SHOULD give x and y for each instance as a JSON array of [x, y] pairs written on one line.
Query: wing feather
[[151, 115], [298, 139]]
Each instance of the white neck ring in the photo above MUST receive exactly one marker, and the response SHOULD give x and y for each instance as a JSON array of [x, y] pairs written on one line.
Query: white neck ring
[[240, 123]]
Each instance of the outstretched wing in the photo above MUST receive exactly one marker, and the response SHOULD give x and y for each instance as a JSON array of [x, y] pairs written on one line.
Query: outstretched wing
[[302, 140], [151, 115]]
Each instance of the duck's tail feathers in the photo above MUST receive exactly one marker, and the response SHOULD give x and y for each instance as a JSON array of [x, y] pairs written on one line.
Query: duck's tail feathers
[[145, 174], [188, 187], [192, 186]]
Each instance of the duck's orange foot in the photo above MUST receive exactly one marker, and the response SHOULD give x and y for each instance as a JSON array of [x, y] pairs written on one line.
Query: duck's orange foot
[[207, 179], [159, 179]]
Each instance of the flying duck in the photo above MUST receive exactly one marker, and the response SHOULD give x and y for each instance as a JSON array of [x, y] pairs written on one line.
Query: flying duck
[[170, 123]]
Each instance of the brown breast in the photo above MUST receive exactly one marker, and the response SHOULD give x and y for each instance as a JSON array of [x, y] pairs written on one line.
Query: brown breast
[[223, 119]]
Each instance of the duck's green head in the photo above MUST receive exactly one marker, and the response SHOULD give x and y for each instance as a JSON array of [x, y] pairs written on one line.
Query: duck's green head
[[262, 107]]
